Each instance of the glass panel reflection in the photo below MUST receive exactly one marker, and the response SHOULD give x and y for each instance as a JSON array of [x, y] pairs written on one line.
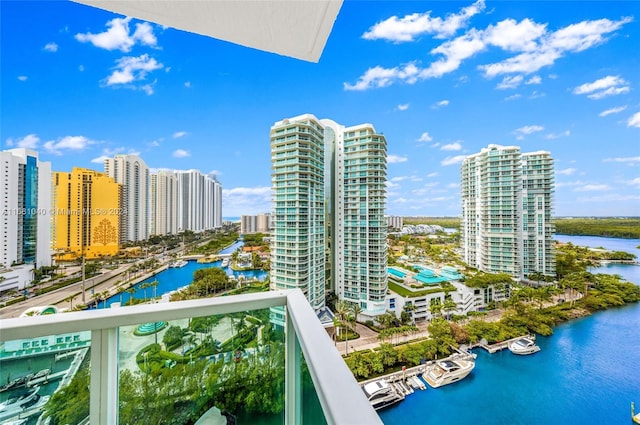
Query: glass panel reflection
[[45, 379], [221, 365]]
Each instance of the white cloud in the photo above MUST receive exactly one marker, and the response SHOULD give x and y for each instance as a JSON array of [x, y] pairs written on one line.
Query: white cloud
[[129, 70], [510, 82], [454, 52], [30, 141], [453, 185], [411, 26], [68, 143], [247, 200], [526, 130], [51, 47], [608, 86], [81, 68], [592, 188], [612, 111], [181, 153], [536, 47], [110, 152], [395, 159], [425, 137], [100, 159], [552, 136], [534, 80], [117, 36], [187, 84], [398, 178], [179, 134], [451, 160], [513, 36], [633, 182], [634, 120], [434, 174], [440, 104], [382, 77], [391, 185], [23, 78], [626, 159], [215, 173], [567, 171], [455, 146], [402, 107], [540, 48], [513, 97]]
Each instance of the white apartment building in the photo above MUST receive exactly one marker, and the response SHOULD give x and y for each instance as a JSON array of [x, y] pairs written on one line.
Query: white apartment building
[[133, 174], [25, 194], [329, 228], [260, 223], [199, 201], [501, 215], [164, 203], [395, 221]]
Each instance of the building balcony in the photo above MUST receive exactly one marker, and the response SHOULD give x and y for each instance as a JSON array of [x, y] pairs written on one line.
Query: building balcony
[[132, 369]]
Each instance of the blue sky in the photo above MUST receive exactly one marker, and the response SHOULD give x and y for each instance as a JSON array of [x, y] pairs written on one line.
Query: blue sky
[[440, 79]]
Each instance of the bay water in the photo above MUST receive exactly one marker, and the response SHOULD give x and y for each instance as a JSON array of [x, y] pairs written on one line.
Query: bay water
[[587, 372]]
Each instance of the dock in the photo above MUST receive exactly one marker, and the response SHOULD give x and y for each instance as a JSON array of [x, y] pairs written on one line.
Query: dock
[[498, 346]]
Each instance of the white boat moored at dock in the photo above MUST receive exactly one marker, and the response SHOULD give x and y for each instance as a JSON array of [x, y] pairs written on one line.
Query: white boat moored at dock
[[381, 394], [523, 346], [444, 372]]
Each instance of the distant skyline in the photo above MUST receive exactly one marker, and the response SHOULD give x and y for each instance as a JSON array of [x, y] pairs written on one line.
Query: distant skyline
[[441, 80]]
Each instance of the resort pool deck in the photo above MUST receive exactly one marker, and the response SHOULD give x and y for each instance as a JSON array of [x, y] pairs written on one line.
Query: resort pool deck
[[429, 276]]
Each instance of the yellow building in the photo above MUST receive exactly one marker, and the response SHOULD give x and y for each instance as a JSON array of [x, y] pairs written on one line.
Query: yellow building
[[86, 214]]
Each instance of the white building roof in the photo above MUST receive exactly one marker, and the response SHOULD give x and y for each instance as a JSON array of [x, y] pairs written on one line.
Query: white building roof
[[295, 28]]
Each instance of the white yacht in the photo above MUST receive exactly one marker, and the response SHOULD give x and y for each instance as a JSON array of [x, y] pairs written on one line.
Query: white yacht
[[444, 372], [178, 263], [380, 394], [225, 262], [523, 346]]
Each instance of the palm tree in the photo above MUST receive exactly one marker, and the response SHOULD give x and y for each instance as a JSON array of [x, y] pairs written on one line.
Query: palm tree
[[154, 285], [355, 310], [435, 307], [70, 299], [131, 291], [448, 306]]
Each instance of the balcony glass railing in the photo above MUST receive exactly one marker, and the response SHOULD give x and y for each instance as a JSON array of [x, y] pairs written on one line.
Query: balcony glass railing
[[175, 362]]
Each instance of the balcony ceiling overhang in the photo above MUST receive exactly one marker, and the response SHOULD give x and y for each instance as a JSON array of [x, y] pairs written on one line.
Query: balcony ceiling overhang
[[295, 28]]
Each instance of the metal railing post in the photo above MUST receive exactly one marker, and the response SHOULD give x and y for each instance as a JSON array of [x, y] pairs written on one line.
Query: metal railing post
[[292, 375], [104, 377]]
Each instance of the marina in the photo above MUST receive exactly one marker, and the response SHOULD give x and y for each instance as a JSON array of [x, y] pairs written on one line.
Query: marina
[[590, 361]]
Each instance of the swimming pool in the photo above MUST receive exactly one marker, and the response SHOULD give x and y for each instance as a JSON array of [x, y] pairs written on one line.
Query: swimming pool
[[396, 273]]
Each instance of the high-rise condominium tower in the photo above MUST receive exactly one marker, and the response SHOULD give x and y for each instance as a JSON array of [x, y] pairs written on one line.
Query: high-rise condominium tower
[[164, 203], [25, 195], [87, 214], [199, 201], [328, 225], [507, 202], [260, 223], [133, 174]]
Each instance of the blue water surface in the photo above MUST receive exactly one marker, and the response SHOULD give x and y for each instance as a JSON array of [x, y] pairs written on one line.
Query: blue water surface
[[176, 278], [587, 372]]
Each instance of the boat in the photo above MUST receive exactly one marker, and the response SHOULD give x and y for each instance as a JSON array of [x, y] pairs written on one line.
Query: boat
[[635, 417], [225, 262], [444, 372], [523, 346], [178, 263], [380, 394], [20, 401], [16, 383]]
